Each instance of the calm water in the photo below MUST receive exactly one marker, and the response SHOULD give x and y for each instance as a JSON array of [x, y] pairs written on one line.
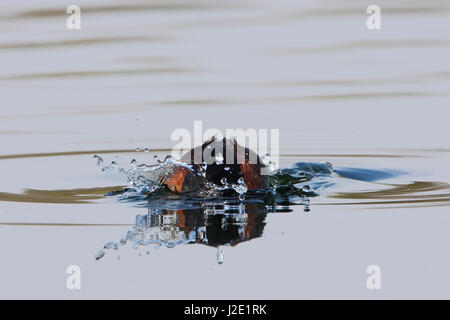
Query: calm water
[[374, 104]]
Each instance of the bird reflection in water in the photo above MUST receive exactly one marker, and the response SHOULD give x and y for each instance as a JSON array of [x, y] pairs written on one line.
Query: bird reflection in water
[[212, 224]]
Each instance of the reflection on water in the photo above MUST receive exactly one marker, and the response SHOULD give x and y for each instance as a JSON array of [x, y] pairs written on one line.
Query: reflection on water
[[225, 224]]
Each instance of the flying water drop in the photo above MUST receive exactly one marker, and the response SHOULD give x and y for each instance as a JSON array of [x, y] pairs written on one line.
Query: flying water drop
[[219, 256], [99, 160], [109, 245], [113, 165], [99, 255]]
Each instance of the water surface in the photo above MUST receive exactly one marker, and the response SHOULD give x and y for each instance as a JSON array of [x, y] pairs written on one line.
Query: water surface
[[374, 104]]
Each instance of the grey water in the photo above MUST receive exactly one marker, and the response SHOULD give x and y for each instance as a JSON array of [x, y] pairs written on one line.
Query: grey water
[[373, 104]]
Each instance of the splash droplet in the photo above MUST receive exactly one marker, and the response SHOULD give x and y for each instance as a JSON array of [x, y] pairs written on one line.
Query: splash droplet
[[306, 189], [219, 256], [109, 245], [114, 165], [99, 160], [99, 255]]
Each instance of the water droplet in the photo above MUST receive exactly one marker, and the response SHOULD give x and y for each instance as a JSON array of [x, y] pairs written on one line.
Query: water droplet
[[157, 158], [224, 181], [266, 159], [99, 255], [109, 245], [219, 256], [226, 168], [113, 165], [306, 188], [138, 149], [99, 160], [140, 180], [146, 150]]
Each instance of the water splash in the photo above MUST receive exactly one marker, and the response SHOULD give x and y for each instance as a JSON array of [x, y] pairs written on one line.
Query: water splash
[[287, 184], [269, 163], [143, 178]]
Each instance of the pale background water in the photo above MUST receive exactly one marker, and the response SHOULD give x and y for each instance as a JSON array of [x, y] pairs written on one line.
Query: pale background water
[[138, 70]]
